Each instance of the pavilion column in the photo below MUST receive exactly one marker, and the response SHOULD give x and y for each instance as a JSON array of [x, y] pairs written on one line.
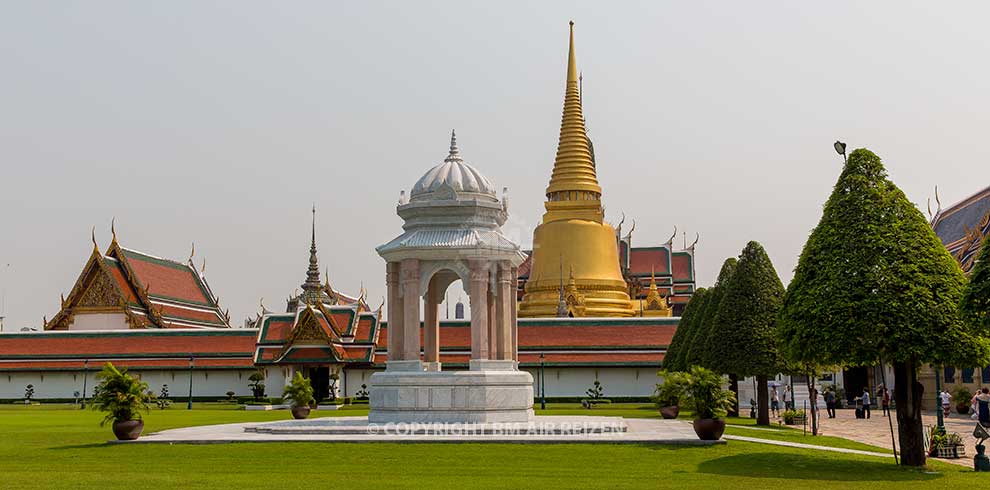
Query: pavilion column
[[394, 311], [492, 317], [410, 311], [513, 316], [431, 326], [503, 312], [478, 297]]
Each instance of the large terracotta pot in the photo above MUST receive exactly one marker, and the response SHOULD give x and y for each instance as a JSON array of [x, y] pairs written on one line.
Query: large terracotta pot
[[709, 429], [670, 412], [962, 408], [128, 430], [300, 412]]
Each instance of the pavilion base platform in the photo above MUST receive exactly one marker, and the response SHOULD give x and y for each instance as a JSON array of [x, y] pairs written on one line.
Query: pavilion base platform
[[541, 430], [490, 392]]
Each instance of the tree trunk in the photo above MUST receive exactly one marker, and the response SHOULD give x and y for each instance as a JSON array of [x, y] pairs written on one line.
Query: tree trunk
[[908, 393], [762, 410], [734, 387], [813, 400]]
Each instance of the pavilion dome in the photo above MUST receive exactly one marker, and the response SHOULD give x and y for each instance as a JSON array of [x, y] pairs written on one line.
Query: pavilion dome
[[452, 177]]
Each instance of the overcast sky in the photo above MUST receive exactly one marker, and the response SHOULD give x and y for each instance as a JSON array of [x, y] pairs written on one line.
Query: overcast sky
[[221, 123]]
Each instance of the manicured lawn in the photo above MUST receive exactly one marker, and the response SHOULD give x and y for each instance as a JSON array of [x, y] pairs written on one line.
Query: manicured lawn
[[59, 447]]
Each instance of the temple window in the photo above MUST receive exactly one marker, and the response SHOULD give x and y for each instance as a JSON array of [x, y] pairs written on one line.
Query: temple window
[[985, 375], [950, 375], [967, 375]]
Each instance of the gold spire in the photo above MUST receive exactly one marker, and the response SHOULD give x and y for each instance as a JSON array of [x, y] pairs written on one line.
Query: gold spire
[[573, 177]]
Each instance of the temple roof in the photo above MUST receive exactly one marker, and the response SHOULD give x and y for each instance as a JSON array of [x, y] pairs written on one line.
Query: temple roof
[[318, 333], [962, 227], [152, 292]]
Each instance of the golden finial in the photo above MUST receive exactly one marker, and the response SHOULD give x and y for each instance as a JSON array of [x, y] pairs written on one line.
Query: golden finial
[[192, 252], [92, 236], [573, 168], [63, 299], [113, 230], [202, 270]]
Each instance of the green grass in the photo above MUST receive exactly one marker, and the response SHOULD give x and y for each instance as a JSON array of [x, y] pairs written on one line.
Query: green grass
[[60, 447]]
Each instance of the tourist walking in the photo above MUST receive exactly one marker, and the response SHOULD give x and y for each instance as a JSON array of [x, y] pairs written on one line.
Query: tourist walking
[[946, 399], [983, 407], [774, 402], [885, 401], [830, 403], [788, 398], [866, 402]]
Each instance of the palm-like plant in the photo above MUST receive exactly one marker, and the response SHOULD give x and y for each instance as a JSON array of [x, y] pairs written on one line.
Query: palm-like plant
[[299, 391], [706, 395], [120, 395], [673, 389]]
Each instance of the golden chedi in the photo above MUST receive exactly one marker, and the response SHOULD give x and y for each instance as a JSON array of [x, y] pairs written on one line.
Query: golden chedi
[[573, 235]]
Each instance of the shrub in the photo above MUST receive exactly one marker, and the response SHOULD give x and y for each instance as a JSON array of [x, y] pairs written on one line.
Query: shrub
[[299, 392], [672, 390], [362, 394], [596, 391], [961, 395], [28, 393], [230, 396], [120, 395], [257, 385], [162, 401]]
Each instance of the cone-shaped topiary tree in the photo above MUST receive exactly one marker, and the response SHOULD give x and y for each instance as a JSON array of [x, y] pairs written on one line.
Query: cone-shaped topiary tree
[[744, 331], [875, 285], [698, 349], [673, 359], [707, 335], [976, 300]]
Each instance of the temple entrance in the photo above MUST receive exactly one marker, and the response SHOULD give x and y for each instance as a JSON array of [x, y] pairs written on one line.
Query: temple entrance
[[853, 381], [319, 377]]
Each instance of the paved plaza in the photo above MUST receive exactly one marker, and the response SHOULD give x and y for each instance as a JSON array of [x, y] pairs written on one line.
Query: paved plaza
[[544, 430], [876, 430]]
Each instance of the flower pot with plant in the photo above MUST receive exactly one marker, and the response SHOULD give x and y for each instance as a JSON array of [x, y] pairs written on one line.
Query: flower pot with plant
[[299, 394], [709, 401], [962, 397], [670, 392], [793, 417], [123, 398], [947, 446]]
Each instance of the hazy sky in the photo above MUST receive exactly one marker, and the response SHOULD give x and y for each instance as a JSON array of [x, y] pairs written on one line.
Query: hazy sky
[[223, 122]]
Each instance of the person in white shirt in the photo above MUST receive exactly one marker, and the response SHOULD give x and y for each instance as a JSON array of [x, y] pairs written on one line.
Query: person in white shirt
[[946, 400], [788, 398], [866, 402]]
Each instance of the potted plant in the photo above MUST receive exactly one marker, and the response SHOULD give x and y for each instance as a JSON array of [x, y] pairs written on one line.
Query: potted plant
[[709, 401], [962, 397], [123, 398], [257, 385], [793, 417], [669, 393], [299, 393], [947, 446]]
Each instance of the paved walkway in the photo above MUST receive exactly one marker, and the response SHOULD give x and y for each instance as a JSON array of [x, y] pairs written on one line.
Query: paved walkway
[[807, 446], [544, 430], [876, 431]]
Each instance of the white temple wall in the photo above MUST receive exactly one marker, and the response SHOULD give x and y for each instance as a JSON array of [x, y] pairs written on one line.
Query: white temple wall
[[561, 382], [99, 321], [210, 383]]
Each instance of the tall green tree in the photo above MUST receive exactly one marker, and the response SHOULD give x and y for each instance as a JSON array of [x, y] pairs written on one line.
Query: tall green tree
[[697, 353], [707, 336], [745, 324], [875, 285], [976, 300], [674, 358]]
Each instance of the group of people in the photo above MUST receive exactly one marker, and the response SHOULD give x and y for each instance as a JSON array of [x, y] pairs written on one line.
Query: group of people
[[832, 401], [979, 405]]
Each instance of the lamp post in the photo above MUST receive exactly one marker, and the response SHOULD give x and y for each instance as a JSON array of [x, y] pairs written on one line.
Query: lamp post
[[192, 362], [940, 422], [85, 377], [840, 148], [543, 391]]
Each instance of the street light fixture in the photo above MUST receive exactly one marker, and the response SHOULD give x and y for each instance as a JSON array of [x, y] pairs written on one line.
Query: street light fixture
[[192, 363], [543, 391], [840, 148]]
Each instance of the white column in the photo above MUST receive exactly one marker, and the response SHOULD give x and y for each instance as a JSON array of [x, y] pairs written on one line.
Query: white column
[[410, 311], [479, 309], [503, 312], [431, 326], [394, 311]]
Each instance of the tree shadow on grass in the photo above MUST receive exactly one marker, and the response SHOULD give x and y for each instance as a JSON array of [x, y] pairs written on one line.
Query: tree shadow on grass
[[808, 467]]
